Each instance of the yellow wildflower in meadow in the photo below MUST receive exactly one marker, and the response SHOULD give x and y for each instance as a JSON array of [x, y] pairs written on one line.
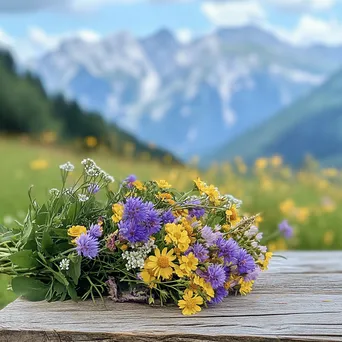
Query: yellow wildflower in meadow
[[287, 206], [261, 164], [190, 304], [39, 164], [161, 263], [328, 238], [90, 141], [276, 161]]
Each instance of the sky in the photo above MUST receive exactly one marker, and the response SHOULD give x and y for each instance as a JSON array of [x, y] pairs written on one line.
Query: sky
[[32, 27]]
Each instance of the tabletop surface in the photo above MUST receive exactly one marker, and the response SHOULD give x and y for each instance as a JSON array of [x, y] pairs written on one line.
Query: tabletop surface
[[299, 298]]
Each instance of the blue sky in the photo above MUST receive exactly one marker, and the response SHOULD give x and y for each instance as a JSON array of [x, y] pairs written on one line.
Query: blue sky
[[33, 26]]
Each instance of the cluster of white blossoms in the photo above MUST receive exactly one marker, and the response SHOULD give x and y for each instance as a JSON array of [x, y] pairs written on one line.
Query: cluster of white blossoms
[[231, 201], [136, 257], [83, 197], [92, 170], [255, 236], [68, 167], [64, 264]]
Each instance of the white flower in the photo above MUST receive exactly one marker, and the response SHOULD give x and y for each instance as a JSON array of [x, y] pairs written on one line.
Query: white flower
[[83, 198], [259, 236], [254, 244], [64, 264], [263, 249], [252, 232], [68, 167], [136, 257], [54, 192]]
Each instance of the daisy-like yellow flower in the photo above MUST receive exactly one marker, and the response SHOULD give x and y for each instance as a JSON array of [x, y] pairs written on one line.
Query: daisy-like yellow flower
[[165, 197], [161, 263], [200, 184], [177, 234], [76, 231], [264, 263], [139, 185], [163, 184], [207, 288], [246, 287], [233, 216], [188, 263], [213, 194], [147, 275], [118, 210], [190, 304]]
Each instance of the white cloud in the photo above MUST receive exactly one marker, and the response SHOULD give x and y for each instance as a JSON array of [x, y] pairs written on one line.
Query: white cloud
[[233, 13], [303, 5], [5, 39], [311, 30], [184, 35]]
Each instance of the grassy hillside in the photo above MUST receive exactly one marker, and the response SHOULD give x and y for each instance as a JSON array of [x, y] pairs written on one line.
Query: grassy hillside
[[312, 125], [26, 108]]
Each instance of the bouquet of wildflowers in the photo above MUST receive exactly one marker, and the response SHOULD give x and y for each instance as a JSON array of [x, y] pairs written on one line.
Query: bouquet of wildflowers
[[144, 242]]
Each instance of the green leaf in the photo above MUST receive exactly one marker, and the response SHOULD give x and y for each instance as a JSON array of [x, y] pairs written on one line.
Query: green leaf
[[75, 268], [25, 258], [72, 212], [42, 215], [30, 288], [27, 231], [72, 293], [59, 288], [47, 243]]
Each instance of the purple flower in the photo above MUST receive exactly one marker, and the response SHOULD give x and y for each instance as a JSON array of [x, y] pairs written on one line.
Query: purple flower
[[210, 236], [133, 232], [87, 246], [93, 188], [95, 230], [153, 220], [197, 211], [130, 180], [167, 217], [285, 229], [215, 275], [220, 294], [200, 252], [135, 209], [252, 275], [227, 249], [244, 262]]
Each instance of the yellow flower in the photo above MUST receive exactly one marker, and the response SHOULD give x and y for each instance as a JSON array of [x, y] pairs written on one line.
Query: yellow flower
[[161, 263], [39, 164], [264, 263], [214, 195], [163, 184], [177, 234], [208, 289], [165, 197], [245, 286], [261, 163], [139, 185], [232, 215], [276, 161], [76, 231], [118, 210], [90, 141], [190, 304], [302, 214], [278, 245], [200, 184], [287, 206], [188, 263], [328, 238], [147, 275]]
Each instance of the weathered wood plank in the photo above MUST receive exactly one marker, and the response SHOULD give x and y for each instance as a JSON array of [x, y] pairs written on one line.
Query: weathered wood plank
[[284, 306]]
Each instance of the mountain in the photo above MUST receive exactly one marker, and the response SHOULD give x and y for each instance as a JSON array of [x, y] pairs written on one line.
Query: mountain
[[26, 108], [312, 125], [188, 98]]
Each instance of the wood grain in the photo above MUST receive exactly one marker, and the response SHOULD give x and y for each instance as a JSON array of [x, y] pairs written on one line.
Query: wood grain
[[297, 299]]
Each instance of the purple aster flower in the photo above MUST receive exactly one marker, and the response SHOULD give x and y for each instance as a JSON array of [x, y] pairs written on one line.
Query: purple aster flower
[[215, 275], [133, 232], [95, 230], [135, 209], [197, 211], [130, 180], [227, 249], [93, 188], [209, 235], [244, 262], [252, 275], [220, 294], [153, 220], [200, 252], [285, 229], [87, 246], [167, 217]]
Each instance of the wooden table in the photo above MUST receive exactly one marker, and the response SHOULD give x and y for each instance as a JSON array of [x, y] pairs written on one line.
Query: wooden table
[[297, 299]]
